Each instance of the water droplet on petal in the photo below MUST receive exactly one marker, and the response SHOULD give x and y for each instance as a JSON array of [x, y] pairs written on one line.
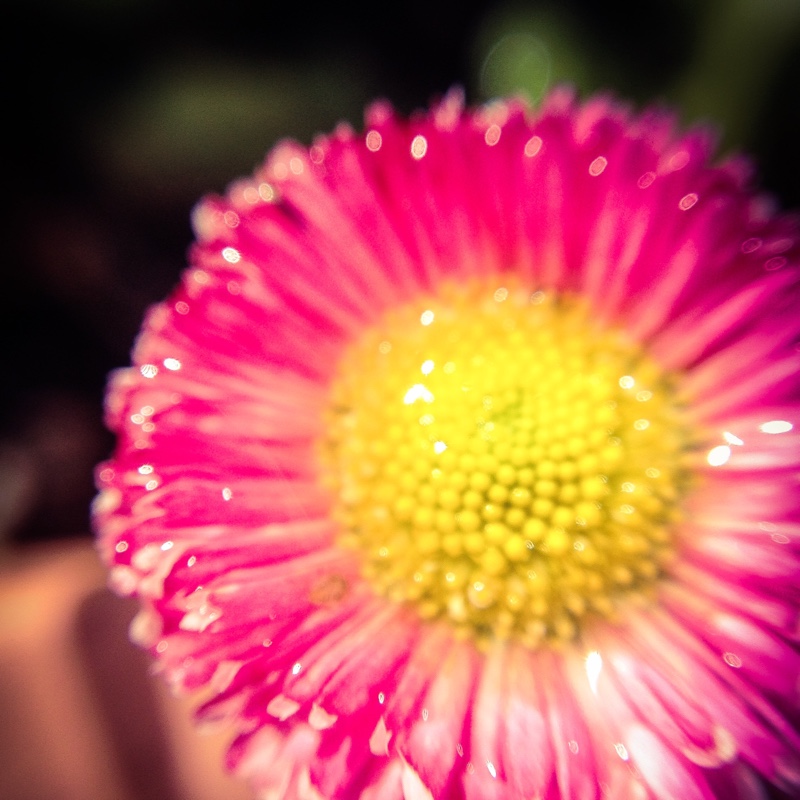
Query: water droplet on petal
[[533, 146], [646, 180], [492, 135], [719, 455], [732, 660], [419, 146], [598, 166], [776, 426], [775, 263]]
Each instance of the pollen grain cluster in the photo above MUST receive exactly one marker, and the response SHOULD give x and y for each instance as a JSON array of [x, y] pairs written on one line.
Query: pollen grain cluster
[[500, 460]]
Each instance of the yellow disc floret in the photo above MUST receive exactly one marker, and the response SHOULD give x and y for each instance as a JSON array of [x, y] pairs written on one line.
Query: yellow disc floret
[[500, 460]]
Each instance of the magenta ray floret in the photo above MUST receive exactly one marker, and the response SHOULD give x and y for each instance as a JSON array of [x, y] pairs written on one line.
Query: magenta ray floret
[[213, 514]]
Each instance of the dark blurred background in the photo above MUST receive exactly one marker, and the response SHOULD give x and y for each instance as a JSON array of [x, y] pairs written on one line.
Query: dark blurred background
[[122, 113]]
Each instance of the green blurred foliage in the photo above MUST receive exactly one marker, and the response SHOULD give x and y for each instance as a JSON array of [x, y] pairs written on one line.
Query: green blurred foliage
[[721, 61], [192, 123], [527, 50], [742, 45]]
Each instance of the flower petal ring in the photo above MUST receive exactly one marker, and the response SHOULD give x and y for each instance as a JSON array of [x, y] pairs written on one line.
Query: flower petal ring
[[464, 463]]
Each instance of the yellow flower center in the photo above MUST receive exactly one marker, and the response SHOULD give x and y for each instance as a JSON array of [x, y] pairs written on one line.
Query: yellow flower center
[[499, 459]]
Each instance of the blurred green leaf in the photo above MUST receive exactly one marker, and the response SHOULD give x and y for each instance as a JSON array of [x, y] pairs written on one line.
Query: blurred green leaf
[[527, 50], [740, 48], [192, 124]]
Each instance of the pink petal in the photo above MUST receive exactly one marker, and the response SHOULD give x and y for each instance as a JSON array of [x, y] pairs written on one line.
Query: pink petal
[[433, 743], [665, 773]]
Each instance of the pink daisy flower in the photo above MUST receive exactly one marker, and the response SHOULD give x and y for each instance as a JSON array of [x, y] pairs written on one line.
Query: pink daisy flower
[[464, 463]]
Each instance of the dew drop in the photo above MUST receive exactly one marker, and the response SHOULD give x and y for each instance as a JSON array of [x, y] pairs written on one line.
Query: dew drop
[[646, 180], [598, 166], [679, 160], [732, 660], [419, 146], [231, 255], [533, 146], [266, 192], [774, 263], [776, 426], [719, 455]]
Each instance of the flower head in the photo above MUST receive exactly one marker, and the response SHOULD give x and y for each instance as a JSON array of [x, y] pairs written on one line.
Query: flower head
[[464, 462]]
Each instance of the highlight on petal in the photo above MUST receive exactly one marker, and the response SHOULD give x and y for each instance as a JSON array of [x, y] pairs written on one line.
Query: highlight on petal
[[463, 463]]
